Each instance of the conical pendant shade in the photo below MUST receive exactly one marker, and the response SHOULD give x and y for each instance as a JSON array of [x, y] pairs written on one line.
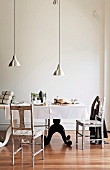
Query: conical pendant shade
[[58, 71], [55, 2], [14, 62]]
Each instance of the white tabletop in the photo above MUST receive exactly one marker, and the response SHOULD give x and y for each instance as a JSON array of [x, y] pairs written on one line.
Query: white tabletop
[[73, 111]]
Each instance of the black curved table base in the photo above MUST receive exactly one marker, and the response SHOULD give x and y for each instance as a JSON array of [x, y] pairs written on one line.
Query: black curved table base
[[57, 127]]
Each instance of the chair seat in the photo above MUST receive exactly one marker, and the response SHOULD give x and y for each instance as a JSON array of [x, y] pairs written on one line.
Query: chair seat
[[89, 123], [28, 133]]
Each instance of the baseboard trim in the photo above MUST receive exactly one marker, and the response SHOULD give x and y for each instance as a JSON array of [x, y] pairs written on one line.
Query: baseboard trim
[[67, 126], [4, 127]]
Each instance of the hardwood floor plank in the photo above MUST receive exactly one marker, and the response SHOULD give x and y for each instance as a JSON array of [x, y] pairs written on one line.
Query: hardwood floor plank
[[59, 156]]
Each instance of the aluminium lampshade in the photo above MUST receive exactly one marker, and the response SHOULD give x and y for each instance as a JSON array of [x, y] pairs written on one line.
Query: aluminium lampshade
[[14, 62], [58, 71]]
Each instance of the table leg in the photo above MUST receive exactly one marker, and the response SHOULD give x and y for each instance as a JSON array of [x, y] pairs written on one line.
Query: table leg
[[8, 134], [57, 127]]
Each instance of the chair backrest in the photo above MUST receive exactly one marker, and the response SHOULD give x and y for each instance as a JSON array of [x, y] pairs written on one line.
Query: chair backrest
[[98, 108], [21, 111], [100, 115], [102, 107]]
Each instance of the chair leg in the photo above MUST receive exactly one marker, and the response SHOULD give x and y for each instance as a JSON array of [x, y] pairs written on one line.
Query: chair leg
[[47, 125], [83, 136], [42, 145], [32, 152], [21, 151], [77, 129], [12, 151], [102, 136]]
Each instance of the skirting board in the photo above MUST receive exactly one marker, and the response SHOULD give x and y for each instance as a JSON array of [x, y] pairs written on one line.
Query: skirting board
[[67, 126]]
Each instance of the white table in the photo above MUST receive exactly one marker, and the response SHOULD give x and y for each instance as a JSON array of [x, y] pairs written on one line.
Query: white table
[[74, 111]]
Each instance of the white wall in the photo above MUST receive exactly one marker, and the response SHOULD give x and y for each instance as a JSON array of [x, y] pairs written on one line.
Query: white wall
[[107, 61], [37, 49]]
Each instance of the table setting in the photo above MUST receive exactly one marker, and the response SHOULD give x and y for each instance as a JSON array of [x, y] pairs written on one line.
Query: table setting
[[59, 109]]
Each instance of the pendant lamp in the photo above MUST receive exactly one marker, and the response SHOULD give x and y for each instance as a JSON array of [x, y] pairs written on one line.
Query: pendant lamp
[[58, 71], [14, 61]]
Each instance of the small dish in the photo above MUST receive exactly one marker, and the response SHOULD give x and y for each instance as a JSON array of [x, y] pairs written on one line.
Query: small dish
[[38, 104]]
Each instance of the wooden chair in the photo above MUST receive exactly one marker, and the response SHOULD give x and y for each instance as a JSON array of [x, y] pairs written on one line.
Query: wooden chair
[[97, 123], [23, 132]]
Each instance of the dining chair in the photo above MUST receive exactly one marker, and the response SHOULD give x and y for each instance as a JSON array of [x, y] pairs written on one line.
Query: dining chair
[[22, 132], [97, 123]]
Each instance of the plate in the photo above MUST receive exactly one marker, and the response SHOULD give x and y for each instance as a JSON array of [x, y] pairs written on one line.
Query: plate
[[38, 104]]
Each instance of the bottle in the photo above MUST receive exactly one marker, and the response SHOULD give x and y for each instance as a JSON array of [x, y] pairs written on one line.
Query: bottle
[[41, 96]]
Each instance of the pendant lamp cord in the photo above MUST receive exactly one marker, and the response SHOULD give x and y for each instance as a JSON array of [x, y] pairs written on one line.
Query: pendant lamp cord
[[56, 2], [59, 32], [14, 27]]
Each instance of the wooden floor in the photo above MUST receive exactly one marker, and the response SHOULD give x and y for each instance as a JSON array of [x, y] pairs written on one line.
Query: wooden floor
[[59, 156]]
